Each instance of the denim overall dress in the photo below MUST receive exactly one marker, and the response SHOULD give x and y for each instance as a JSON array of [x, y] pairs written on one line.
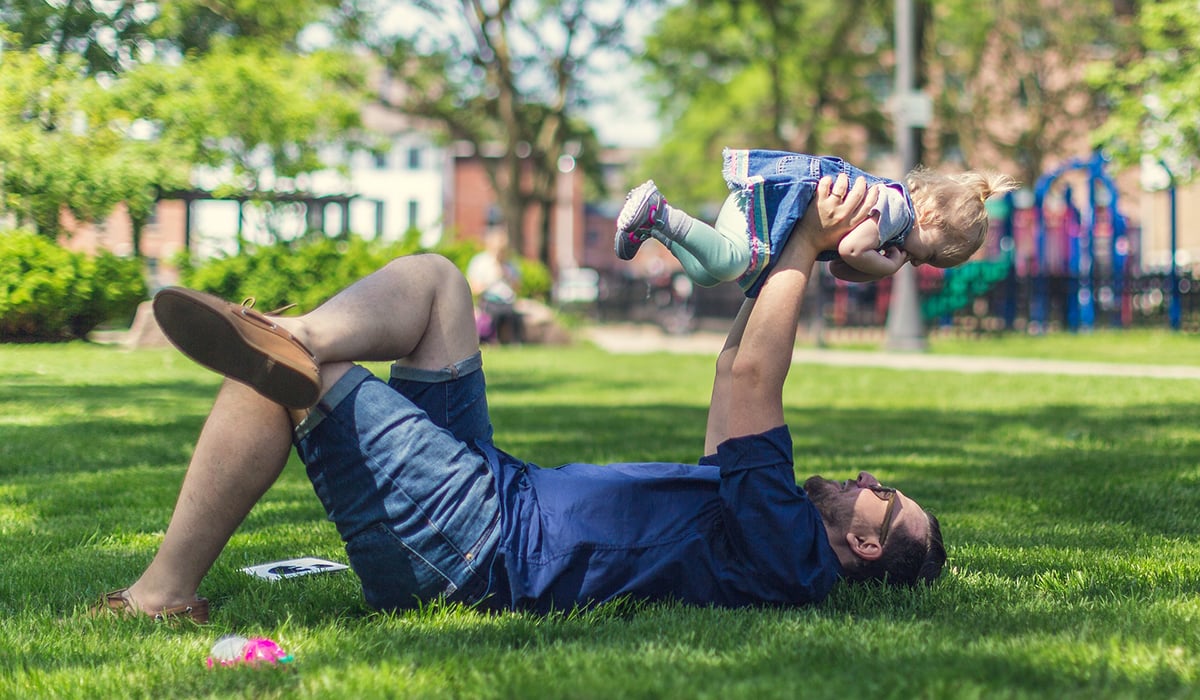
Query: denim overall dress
[[776, 188]]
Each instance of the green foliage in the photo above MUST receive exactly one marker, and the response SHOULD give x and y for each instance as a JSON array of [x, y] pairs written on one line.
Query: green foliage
[[788, 74], [65, 143], [104, 34], [199, 26], [50, 293], [41, 160], [309, 271], [37, 284], [256, 113], [112, 36], [1155, 96], [1004, 78], [118, 286], [536, 281], [70, 140], [305, 273]]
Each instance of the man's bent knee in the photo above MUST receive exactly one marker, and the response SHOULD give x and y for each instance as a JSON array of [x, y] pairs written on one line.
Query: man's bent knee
[[451, 334]]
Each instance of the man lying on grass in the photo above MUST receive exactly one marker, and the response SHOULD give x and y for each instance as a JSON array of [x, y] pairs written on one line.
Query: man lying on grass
[[430, 507]]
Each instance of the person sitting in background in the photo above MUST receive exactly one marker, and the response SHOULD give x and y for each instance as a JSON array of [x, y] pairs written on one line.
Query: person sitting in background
[[494, 279]]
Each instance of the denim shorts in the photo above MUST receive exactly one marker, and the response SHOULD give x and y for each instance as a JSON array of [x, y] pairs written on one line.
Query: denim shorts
[[397, 468]]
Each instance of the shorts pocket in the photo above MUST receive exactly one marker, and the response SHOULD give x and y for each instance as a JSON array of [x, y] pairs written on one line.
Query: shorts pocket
[[393, 574]]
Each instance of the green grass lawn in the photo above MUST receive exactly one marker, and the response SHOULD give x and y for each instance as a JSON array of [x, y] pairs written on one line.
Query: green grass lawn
[[1070, 508], [1137, 346], [1156, 347]]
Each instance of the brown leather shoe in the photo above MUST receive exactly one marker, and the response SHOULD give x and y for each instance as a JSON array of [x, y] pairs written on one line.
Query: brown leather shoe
[[118, 603], [241, 344]]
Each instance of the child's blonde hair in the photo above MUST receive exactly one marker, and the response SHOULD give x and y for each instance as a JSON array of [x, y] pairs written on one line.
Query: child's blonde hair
[[954, 205]]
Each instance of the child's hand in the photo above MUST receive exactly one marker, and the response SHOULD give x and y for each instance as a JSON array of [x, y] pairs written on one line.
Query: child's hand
[[896, 256]]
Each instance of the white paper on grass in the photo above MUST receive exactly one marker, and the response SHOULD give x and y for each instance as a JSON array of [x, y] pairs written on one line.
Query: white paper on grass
[[290, 568]]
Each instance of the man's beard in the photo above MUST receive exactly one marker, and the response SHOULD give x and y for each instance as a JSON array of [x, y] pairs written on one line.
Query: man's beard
[[822, 492]]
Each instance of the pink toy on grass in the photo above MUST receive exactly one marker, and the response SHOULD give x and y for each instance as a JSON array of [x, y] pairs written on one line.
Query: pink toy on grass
[[233, 650]]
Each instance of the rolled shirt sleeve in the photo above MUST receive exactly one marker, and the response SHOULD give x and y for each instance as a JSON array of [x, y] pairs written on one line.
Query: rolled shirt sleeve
[[772, 526]]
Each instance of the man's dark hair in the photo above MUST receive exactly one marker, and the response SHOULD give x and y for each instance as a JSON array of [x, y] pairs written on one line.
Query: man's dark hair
[[906, 560]]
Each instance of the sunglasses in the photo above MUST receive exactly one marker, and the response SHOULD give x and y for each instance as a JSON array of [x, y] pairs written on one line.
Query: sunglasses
[[888, 495]]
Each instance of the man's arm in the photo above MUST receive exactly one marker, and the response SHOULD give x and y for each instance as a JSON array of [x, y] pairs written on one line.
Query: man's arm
[[717, 430], [748, 388]]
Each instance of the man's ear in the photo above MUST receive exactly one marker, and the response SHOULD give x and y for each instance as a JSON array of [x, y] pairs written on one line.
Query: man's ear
[[865, 548]]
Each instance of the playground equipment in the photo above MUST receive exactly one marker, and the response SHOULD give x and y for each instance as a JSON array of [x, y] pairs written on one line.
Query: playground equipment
[[1074, 251], [963, 284], [1081, 227], [1062, 255]]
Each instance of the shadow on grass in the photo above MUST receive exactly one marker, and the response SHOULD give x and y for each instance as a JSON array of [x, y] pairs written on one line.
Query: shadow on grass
[[662, 651], [1069, 467], [63, 429], [668, 651]]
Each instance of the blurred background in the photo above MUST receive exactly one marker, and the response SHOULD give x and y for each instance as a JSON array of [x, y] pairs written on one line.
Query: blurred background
[[219, 143]]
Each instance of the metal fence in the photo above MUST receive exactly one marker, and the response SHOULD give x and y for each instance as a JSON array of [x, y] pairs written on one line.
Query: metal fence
[[1061, 302], [1022, 304]]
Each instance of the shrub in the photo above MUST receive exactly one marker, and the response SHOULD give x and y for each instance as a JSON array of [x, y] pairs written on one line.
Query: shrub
[[118, 285], [535, 279], [37, 279], [50, 293], [304, 273], [309, 271]]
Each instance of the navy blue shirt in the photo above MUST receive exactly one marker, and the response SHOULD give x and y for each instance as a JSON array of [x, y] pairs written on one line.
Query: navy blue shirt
[[734, 530]]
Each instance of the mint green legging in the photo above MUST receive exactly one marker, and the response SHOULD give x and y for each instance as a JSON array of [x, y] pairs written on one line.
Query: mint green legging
[[711, 255]]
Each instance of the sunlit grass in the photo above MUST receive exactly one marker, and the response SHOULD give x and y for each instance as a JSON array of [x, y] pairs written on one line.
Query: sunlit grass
[[1143, 346], [1155, 346]]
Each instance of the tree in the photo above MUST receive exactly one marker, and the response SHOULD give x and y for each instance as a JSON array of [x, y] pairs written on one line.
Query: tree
[[1008, 80], [787, 74], [114, 35], [49, 157], [508, 74], [105, 35], [1154, 92], [254, 120], [88, 120], [200, 26]]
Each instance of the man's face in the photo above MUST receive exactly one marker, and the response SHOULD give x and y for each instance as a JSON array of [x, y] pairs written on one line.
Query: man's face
[[862, 506]]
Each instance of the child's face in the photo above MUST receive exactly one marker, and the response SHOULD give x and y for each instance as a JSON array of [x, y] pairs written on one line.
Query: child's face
[[921, 246]]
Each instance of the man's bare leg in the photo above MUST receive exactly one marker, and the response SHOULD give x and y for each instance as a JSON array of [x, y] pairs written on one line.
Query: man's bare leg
[[240, 452], [417, 309]]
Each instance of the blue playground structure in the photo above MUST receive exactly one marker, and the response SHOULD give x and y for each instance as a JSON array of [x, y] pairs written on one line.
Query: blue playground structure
[[1099, 213], [1062, 256]]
